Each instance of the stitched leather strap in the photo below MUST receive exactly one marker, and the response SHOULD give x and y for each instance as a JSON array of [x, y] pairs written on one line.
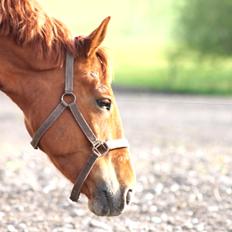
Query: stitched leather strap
[[55, 114], [82, 177], [69, 73], [99, 148], [82, 123]]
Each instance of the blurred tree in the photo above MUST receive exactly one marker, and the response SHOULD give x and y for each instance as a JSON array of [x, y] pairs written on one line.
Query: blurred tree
[[206, 26]]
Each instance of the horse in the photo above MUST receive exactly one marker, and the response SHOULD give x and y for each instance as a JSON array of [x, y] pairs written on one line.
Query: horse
[[63, 87]]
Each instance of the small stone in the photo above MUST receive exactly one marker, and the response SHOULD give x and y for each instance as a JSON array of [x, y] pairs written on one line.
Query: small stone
[[174, 187], [148, 196], [159, 188], [229, 191], [69, 226], [23, 226], [153, 208], [213, 208], [156, 220], [188, 225], [169, 228], [195, 220], [78, 212], [11, 228], [132, 225], [2, 214], [99, 224], [200, 227], [164, 217]]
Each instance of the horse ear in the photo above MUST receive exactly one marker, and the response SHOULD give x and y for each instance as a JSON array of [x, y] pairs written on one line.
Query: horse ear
[[96, 37], [93, 41]]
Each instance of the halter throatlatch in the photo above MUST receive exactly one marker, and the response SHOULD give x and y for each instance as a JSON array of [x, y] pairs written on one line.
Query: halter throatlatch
[[99, 148]]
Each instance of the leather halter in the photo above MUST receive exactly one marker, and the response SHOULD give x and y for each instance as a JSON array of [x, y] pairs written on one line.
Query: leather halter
[[99, 148]]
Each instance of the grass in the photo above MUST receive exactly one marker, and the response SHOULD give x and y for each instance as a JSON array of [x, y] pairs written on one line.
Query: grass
[[186, 73], [194, 80]]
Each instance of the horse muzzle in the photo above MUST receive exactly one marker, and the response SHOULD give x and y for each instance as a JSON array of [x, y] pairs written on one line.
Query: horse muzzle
[[106, 202]]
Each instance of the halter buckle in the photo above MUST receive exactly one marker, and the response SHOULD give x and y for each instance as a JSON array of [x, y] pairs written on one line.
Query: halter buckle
[[100, 148]]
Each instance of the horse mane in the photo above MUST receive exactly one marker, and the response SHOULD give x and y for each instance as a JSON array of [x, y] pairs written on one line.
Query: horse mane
[[27, 24]]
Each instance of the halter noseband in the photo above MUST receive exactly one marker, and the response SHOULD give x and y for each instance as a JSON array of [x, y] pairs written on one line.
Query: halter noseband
[[99, 148]]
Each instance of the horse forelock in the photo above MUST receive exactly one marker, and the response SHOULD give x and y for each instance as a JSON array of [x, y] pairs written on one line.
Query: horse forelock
[[26, 23]]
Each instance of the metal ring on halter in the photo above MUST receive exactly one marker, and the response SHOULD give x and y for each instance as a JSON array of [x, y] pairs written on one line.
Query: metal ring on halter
[[73, 99]]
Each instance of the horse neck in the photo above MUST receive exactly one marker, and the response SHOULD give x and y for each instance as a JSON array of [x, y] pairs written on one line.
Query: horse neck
[[19, 67]]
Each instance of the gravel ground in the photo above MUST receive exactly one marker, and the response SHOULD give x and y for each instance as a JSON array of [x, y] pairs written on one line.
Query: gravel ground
[[183, 159]]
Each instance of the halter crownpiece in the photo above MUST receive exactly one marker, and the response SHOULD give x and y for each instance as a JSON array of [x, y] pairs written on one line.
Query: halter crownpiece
[[99, 148]]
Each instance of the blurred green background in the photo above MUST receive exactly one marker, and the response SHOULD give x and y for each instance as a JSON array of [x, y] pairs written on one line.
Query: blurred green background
[[181, 46]]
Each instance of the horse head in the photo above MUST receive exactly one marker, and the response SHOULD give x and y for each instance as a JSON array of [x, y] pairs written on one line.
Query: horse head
[[34, 79]]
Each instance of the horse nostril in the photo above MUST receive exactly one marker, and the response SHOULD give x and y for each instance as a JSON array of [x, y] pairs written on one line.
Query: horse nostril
[[128, 196]]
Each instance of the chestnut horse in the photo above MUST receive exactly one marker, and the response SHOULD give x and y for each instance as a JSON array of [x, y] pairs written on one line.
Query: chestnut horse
[[33, 48]]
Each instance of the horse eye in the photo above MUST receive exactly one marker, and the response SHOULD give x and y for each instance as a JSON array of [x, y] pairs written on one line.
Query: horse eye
[[104, 103]]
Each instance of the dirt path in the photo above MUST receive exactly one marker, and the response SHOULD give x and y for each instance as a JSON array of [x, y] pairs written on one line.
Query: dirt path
[[183, 158]]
